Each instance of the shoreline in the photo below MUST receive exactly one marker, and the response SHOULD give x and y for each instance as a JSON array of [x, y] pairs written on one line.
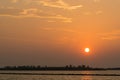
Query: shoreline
[[60, 74]]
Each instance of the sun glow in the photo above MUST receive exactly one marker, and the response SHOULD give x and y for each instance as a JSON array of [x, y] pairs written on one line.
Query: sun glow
[[87, 50]]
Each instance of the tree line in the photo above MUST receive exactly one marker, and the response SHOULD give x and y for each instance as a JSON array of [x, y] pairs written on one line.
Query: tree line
[[67, 67]]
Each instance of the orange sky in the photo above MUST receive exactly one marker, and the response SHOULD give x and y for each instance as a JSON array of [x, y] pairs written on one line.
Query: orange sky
[[55, 32]]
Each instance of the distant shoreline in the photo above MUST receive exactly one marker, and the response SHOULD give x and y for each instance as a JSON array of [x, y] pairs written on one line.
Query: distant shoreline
[[60, 74], [64, 68]]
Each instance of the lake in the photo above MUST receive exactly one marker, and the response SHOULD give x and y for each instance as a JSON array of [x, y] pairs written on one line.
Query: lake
[[35, 75]]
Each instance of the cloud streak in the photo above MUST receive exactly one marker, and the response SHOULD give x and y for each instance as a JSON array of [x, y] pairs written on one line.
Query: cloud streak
[[59, 4], [14, 1], [32, 13], [114, 35], [96, 0]]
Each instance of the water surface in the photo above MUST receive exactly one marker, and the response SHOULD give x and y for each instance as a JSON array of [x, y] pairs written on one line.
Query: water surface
[[59, 77]]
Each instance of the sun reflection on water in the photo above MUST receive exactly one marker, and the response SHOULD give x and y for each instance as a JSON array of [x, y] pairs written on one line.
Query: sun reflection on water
[[86, 77]]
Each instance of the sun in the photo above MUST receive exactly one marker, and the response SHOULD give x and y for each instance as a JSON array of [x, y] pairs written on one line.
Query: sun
[[87, 50]]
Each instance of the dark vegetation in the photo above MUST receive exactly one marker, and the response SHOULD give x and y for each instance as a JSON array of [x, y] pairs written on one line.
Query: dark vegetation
[[66, 68]]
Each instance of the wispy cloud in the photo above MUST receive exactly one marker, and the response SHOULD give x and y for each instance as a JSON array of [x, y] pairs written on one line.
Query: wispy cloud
[[59, 4], [30, 11], [33, 13], [96, 0], [98, 12], [14, 1], [9, 11], [17, 11], [110, 35]]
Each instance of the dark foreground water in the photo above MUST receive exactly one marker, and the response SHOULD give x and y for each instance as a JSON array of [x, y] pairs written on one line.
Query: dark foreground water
[[41, 75]]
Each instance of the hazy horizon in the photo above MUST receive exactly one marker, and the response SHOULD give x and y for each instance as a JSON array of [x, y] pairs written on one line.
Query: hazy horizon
[[56, 32]]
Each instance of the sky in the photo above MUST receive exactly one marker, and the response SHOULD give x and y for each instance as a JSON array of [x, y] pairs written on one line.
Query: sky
[[56, 32]]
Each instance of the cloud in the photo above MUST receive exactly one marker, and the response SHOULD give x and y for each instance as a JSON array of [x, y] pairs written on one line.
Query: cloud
[[59, 4], [23, 9], [114, 35], [9, 11], [49, 3], [87, 13], [14, 1], [99, 12], [32, 13], [96, 0]]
